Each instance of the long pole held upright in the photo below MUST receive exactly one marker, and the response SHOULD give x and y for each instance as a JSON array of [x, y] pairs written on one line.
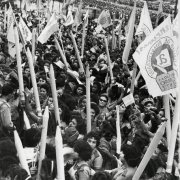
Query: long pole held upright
[[19, 62], [54, 94], [176, 118], [88, 100]]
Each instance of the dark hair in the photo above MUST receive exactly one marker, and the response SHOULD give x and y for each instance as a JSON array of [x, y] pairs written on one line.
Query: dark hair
[[102, 175], [46, 87], [95, 135], [83, 149], [6, 162], [7, 89], [131, 155], [7, 148], [16, 171], [32, 137]]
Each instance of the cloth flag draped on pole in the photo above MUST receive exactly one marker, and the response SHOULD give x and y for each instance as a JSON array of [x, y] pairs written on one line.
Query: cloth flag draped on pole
[[104, 19], [145, 25], [129, 37], [26, 33], [156, 58], [10, 24], [51, 27], [77, 19], [69, 19]]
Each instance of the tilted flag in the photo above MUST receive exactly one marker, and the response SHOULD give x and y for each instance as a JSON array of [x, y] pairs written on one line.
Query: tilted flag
[[145, 25], [104, 19], [69, 19], [156, 58], [77, 19], [129, 37], [10, 24], [51, 27], [160, 12], [26, 33]]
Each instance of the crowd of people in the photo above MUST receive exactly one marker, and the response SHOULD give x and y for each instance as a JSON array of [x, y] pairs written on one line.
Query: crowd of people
[[167, 8], [89, 155]]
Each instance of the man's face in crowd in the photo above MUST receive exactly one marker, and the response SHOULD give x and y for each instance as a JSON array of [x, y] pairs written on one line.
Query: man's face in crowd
[[92, 142]]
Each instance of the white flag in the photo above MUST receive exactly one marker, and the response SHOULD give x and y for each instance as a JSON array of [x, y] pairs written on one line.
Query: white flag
[[51, 27], [156, 57], [26, 33], [145, 25], [104, 19], [69, 19]]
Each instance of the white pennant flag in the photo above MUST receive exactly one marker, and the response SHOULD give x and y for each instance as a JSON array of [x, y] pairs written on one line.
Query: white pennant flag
[[51, 27], [145, 25], [156, 57], [10, 24], [69, 19], [26, 33]]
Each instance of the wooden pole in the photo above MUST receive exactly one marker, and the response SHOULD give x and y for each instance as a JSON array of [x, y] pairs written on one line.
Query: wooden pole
[[153, 145], [43, 140], [77, 52], [109, 61], [59, 155], [88, 100], [54, 94], [34, 83], [19, 62]]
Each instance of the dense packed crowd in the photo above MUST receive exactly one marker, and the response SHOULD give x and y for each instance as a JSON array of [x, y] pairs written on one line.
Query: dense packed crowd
[[89, 155], [167, 8]]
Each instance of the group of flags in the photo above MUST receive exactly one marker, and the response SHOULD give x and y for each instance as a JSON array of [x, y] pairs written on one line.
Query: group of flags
[[154, 57]]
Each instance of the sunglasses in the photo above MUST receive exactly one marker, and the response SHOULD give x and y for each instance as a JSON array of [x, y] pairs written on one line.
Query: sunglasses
[[103, 100]]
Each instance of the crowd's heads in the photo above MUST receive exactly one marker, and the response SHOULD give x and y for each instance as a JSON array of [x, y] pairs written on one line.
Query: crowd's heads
[[131, 155], [83, 149], [7, 89]]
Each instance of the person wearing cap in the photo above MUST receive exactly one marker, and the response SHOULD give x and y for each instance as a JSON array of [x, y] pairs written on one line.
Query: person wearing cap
[[5, 109]]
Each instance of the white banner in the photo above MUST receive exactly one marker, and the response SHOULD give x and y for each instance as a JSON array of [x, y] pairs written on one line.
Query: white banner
[[156, 58]]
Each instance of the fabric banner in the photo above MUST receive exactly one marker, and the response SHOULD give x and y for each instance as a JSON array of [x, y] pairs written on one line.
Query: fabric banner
[[145, 25], [156, 57], [26, 33], [104, 19], [51, 27]]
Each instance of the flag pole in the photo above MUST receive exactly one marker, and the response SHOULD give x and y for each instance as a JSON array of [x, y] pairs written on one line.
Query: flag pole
[[88, 99], [43, 140], [62, 54], [33, 43], [54, 94], [19, 62], [129, 37], [153, 145], [59, 155], [118, 132], [108, 59], [113, 33], [34, 83], [176, 118], [77, 52], [133, 77], [168, 117]]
